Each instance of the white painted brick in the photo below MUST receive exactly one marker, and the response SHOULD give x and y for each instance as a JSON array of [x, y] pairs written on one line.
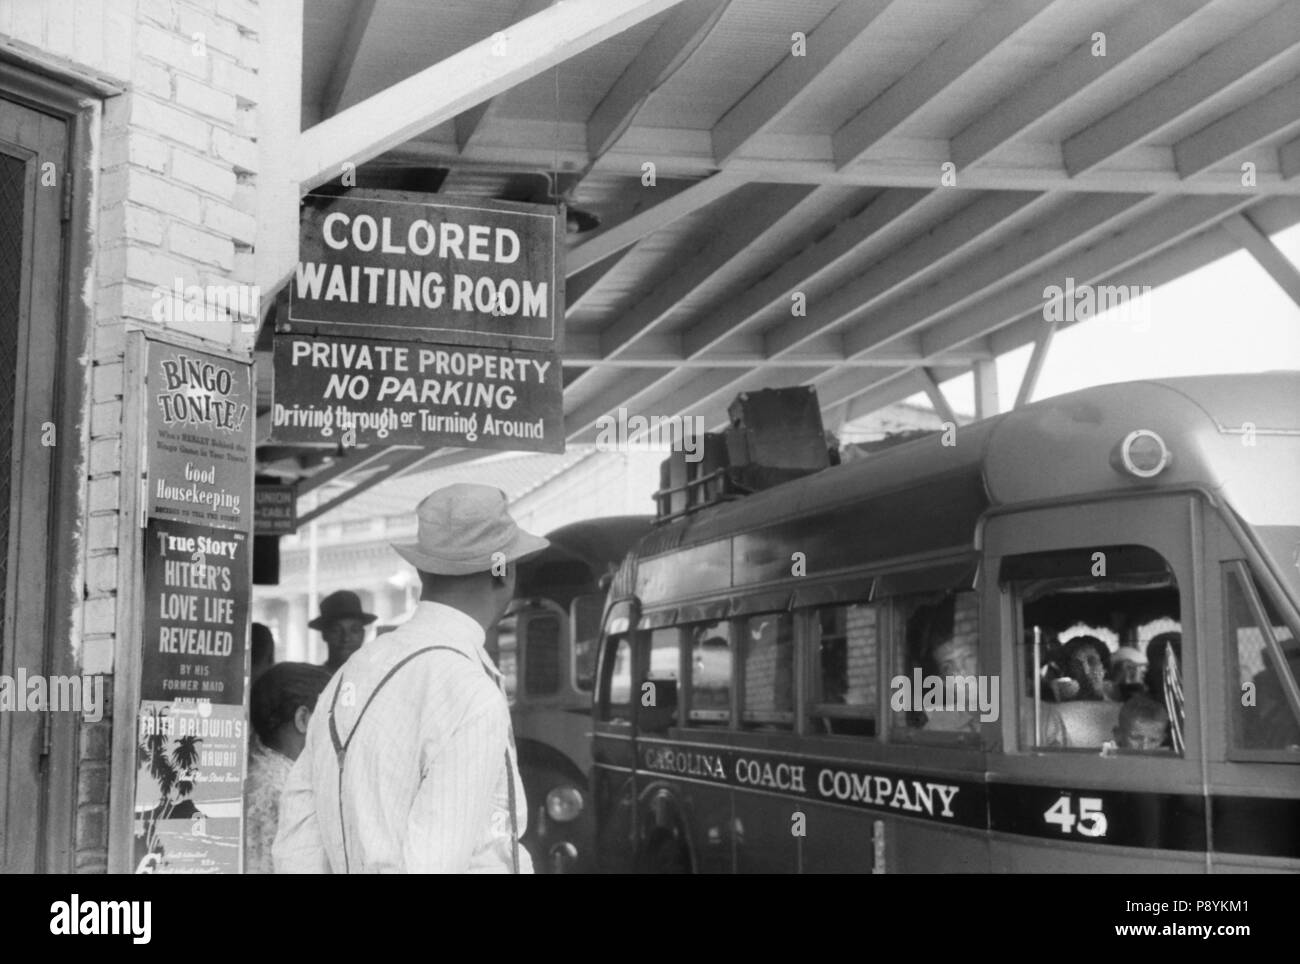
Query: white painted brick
[[206, 100], [113, 187], [245, 269], [119, 301], [155, 268], [218, 331], [99, 616], [106, 419], [242, 12], [201, 246], [151, 77], [250, 52], [174, 200], [101, 533], [101, 573], [97, 655], [172, 49], [224, 219], [240, 81], [218, 34], [104, 494], [133, 223], [239, 151], [109, 341], [245, 198], [107, 382], [105, 456], [148, 152], [213, 178], [162, 12], [246, 121], [165, 119]]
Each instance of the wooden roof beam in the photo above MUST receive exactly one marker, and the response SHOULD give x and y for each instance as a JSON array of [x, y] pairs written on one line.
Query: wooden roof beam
[[626, 233], [1035, 100], [1270, 115], [886, 217], [994, 26], [676, 40], [1223, 70], [470, 123], [840, 36], [440, 92]]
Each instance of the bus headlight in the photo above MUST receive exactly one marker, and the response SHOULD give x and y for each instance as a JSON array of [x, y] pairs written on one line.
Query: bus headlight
[[564, 804], [1143, 454]]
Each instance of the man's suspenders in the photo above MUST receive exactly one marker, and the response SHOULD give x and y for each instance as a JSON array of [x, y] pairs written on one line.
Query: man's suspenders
[[341, 749]]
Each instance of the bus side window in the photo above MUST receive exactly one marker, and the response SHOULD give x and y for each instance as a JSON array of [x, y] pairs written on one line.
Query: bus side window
[[665, 660], [1101, 652], [938, 635], [616, 681], [710, 672], [768, 671], [1263, 717], [846, 642]]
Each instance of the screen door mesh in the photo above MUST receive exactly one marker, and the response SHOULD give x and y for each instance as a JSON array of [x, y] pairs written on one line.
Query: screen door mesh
[[12, 188]]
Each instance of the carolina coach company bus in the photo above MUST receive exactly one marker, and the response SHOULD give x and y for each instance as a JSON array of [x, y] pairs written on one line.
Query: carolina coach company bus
[[1063, 639]]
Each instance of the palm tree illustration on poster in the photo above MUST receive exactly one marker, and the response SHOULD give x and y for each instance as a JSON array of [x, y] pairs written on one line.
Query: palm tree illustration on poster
[[189, 787]]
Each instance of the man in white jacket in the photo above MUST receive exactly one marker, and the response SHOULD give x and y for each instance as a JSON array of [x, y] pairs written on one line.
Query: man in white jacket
[[409, 765]]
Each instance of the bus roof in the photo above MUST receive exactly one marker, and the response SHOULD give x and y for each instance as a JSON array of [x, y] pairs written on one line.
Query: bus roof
[[1221, 430]]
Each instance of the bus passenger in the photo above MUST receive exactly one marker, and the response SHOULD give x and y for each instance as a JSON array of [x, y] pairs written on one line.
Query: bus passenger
[[1143, 724], [1085, 662], [1128, 671]]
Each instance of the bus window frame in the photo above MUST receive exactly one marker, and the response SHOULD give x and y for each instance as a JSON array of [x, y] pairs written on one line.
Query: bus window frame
[[572, 642], [794, 725], [1235, 751], [604, 679], [932, 580], [686, 691], [806, 637], [1167, 521]]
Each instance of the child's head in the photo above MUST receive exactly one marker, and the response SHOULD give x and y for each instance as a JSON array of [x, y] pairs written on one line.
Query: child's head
[[1143, 724]]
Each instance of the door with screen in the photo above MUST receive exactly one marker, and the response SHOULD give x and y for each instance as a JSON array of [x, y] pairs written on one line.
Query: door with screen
[[33, 165]]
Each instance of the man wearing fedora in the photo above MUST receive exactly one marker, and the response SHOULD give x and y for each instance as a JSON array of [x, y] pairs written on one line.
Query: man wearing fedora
[[409, 764], [342, 625]]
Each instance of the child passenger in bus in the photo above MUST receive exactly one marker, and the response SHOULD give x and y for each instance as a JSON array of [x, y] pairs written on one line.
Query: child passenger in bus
[[1143, 725]]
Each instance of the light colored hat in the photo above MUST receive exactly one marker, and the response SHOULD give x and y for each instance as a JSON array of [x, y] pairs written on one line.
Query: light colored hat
[[462, 529], [1127, 654]]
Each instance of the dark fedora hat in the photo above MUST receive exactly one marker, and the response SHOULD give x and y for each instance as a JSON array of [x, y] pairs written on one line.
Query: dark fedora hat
[[341, 605]]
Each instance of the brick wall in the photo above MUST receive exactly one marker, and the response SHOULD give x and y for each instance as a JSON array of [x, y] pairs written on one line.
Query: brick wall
[[176, 207]]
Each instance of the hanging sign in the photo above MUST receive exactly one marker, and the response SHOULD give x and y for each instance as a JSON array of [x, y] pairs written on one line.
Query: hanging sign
[[275, 510], [430, 268], [368, 392]]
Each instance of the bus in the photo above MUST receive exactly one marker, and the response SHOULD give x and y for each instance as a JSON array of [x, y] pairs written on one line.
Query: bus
[[904, 663], [545, 646]]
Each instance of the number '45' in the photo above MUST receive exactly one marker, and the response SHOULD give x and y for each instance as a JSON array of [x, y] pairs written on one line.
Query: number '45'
[[1090, 822]]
